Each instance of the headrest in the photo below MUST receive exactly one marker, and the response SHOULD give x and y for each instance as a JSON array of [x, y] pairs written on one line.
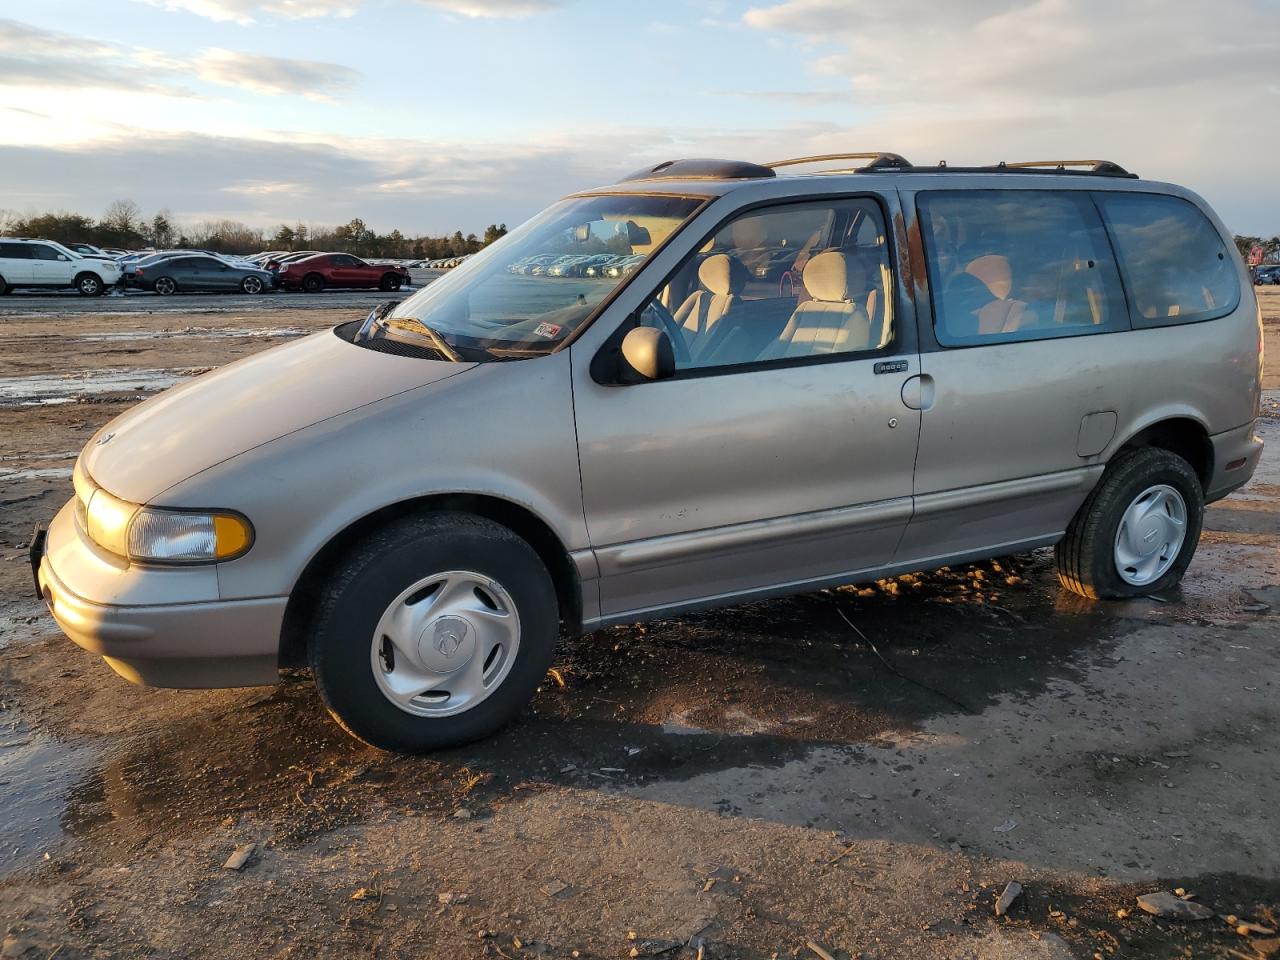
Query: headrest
[[722, 275], [833, 277], [994, 271]]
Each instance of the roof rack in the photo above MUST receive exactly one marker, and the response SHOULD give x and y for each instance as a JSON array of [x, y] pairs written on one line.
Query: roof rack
[[1063, 166], [879, 160], [1094, 168]]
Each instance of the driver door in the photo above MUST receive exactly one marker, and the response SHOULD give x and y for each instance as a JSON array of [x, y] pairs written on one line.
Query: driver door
[[780, 454]]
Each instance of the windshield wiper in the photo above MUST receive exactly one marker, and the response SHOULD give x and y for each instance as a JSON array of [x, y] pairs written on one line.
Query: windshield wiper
[[389, 327], [440, 344]]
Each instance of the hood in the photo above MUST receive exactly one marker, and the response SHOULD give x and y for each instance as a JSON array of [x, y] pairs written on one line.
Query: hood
[[212, 418]]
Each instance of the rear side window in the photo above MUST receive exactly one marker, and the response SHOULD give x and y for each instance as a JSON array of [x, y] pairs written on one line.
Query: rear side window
[[15, 251], [1010, 265], [1175, 265]]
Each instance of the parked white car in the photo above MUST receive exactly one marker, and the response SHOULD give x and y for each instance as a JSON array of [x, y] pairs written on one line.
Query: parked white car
[[45, 263]]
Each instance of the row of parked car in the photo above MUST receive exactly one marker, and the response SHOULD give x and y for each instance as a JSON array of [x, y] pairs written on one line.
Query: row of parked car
[[93, 271], [610, 265]]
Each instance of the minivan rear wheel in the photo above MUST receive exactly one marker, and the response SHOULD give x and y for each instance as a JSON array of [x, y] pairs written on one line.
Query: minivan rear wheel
[[1137, 531], [434, 632]]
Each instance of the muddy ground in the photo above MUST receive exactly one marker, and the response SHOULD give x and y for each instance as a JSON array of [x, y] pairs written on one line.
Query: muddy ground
[[749, 780]]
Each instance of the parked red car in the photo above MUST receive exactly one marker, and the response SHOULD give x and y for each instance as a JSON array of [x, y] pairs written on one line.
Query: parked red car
[[313, 274]]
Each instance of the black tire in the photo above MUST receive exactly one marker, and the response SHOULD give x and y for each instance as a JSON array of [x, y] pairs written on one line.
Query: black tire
[[389, 282], [4, 288], [1086, 555], [90, 285], [252, 285], [165, 286], [313, 283], [374, 574]]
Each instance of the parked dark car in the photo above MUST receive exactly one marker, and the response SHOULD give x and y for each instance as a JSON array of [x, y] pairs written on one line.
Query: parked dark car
[[313, 274], [191, 272], [1267, 275]]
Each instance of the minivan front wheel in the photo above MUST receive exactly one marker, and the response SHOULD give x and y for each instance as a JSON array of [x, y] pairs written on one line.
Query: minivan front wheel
[[1137, 531], [435, 631]]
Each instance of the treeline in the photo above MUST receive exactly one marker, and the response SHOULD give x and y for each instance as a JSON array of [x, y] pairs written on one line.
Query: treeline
[[123, 225], [1270, 247]]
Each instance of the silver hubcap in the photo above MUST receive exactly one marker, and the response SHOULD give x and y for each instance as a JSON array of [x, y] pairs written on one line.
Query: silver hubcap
[[89, 285], [1151, 534], [164, 286], [252, 284], [445, 644]]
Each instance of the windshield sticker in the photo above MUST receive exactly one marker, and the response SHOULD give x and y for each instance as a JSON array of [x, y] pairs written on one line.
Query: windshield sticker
[[548, 330]]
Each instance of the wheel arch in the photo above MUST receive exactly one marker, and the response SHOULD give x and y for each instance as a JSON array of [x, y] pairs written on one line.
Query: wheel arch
[[1183, 434], [519, 519]]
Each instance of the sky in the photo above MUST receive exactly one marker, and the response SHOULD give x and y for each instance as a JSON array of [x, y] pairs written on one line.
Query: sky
[[436, 115]]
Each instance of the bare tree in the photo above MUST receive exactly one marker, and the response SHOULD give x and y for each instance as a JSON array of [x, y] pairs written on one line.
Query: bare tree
[[123, 216]]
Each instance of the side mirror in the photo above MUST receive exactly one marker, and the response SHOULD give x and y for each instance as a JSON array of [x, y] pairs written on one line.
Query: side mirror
[[646, 354]]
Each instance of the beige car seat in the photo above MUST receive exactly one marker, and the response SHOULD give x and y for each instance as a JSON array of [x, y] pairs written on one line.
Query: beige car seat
[[831, 322]]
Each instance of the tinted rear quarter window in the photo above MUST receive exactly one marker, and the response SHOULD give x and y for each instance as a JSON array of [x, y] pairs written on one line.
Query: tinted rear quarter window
[[1175, 265], [15, 251], [1011, 265]]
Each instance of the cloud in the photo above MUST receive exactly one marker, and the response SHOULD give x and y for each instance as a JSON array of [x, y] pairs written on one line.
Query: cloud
[[941, 52], [496, 8], [273, 75], [1175, 89], [413, 185], [248, 11], [35, 57]]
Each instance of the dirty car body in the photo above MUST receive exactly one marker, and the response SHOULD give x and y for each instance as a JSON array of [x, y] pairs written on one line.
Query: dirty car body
[[809, 380]]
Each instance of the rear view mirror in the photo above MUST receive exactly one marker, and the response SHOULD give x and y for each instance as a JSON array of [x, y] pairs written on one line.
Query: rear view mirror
[[647, 354]]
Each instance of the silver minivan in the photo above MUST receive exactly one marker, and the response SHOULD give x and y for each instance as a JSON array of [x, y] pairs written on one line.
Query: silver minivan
[[810, 379]]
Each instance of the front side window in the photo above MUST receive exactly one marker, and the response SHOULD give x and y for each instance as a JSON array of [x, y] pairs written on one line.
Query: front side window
[[1175, 264], [1009, 265], [528, 292], [781, 283], [43, 252]]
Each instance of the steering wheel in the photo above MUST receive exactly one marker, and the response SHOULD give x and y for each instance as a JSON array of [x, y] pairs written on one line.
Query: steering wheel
[[656, 311]]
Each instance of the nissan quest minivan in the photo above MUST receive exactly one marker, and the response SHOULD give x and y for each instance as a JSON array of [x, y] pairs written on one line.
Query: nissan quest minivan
[[809, 379]]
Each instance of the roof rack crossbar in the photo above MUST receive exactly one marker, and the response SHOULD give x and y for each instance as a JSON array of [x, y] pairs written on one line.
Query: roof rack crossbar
[[877, 160]]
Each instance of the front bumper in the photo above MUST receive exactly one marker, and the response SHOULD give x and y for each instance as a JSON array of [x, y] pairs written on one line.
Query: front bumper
[[221, 643]]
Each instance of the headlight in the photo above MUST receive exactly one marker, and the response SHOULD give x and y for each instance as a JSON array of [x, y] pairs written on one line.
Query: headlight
[[181, 536], [107, 521], [156, 535]]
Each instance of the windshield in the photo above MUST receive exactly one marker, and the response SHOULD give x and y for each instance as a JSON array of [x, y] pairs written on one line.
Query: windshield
[[524, 294]]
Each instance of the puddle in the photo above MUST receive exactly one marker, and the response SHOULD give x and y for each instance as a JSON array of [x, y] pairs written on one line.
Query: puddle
[[185, 333], [47, 473], [36, 775], [27, 457], [54, 388], [754, 687]]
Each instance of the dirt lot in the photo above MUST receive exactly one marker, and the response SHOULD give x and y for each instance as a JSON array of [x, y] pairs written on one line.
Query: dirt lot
[[746, 781]]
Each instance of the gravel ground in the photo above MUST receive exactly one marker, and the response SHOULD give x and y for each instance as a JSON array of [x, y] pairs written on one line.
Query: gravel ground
[[752, 780]]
